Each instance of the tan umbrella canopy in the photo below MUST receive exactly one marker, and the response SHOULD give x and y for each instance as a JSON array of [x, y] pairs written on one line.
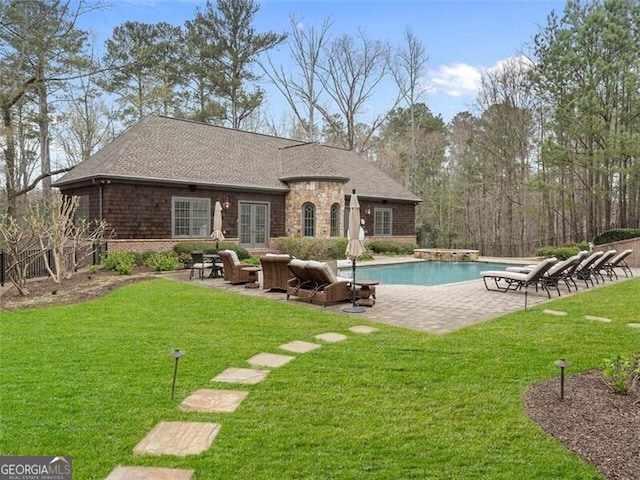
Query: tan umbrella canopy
[[355, 248], [217, 234]]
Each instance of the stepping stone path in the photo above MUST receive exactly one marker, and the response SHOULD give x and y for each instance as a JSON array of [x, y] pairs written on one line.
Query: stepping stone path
[[299, 347], [213, 401], [597, 319], [331, 337], [557, 313], [271, 360], [149, 473], [191, 438], [178, 438], [249, 376], [634, 325]]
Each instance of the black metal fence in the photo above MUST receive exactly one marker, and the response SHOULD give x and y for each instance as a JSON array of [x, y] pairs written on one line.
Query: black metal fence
[[37, 264]]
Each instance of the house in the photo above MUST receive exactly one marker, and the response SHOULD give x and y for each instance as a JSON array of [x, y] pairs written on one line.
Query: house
[[157, 183]]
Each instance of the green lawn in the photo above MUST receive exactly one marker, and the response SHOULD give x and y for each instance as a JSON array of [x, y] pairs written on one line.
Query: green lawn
[[90, 380]]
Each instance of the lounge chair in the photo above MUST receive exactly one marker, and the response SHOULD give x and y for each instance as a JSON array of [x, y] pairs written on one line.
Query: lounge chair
[[275, 271], [232, 268], [198, 264], [317, 282], [619, 261], [519, 280], [583, 272], [560, 271], [597, 267]]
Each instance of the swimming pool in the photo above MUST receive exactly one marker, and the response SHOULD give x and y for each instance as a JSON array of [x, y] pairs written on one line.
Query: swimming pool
[[422, 273]]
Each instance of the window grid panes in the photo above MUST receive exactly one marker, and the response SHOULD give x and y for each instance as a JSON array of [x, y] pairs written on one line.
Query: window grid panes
[[191, 217], [308, 220], [335, 220], [382, 221], [82, 212]]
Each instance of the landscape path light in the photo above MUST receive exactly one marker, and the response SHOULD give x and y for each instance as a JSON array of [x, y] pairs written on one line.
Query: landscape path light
[[177, 354], [562, 363]]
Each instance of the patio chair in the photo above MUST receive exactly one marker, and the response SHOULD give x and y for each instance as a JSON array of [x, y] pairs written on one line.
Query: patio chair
[[619, 261], [275, 271], [583, 272], [597, 267], [301, 284], [329, 287], [560, 271], [519, 280], [232, 268], [198, 264]]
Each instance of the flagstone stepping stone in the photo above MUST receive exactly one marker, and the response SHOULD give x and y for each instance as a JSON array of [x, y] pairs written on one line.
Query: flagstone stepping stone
[[241, 375], [634, 325], [298, 346], [331, 337], [149, 473], [557, 313], [362, 329], [597, 319], [213, 401], [178, 438], [271, 360]]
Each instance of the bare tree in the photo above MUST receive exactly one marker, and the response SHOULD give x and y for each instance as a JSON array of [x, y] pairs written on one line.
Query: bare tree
[[352, 70], [300, 88]]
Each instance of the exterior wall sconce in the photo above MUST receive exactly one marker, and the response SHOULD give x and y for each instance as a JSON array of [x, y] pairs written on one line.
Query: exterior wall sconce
[[368, 210], [226, 204]]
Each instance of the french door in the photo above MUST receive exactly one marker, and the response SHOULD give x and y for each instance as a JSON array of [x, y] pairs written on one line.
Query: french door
[[253, 228]]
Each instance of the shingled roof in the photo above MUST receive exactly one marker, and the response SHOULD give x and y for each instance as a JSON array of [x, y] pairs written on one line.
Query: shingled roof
[[167, 150]]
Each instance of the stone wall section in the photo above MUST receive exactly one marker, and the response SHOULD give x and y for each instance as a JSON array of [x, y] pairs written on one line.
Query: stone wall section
[[322, 194]]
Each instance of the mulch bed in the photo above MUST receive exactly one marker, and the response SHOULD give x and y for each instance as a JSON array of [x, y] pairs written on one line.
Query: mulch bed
[[600, 426]]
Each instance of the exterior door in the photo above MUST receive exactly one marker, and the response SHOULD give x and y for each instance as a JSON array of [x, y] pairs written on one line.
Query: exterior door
[[253, 229]]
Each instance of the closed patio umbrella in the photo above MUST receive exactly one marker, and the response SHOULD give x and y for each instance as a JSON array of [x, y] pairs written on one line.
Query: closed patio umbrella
[[355, 248], [217, 234]]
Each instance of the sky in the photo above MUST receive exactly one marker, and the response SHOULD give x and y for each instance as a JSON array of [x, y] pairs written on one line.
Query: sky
[[462, 38]]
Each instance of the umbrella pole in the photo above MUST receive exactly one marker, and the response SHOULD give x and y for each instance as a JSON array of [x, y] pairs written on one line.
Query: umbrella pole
[[353, 308]]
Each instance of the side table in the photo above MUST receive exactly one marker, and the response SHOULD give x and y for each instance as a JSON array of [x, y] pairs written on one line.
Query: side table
[[253, 276], [366, 292]]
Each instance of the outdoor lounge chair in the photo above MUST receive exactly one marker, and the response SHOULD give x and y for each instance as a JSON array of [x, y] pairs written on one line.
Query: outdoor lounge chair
[[583, 272], [597, 267], [619, 261], [275, 271], [560, 271], [198, 264], [505, 280], [232, 268], [317, 282]]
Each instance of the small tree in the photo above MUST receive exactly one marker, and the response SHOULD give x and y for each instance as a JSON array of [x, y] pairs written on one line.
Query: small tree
[[20, 252], [69, 240]]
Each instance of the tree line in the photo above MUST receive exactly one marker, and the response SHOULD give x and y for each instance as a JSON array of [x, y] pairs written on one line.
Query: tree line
[[549, 155]]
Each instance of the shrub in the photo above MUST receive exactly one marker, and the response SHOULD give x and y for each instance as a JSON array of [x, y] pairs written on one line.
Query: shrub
[[313, 248], [621, 373], [162, 261], [615, 235], [392, 248], [121, 262], [561, 253]]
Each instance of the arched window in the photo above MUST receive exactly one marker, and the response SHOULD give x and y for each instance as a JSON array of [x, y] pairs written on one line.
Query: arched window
[[335, 220], [308, 220]]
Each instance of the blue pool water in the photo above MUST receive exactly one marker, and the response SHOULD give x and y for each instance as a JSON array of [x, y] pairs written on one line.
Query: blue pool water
[[422, 273]]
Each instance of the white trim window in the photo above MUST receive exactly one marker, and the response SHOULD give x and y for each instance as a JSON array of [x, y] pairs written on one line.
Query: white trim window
[[382, 221], [190, 217], [335, 220]]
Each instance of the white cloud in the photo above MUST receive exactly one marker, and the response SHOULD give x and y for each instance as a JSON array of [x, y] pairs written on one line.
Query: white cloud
[[456, 80]]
